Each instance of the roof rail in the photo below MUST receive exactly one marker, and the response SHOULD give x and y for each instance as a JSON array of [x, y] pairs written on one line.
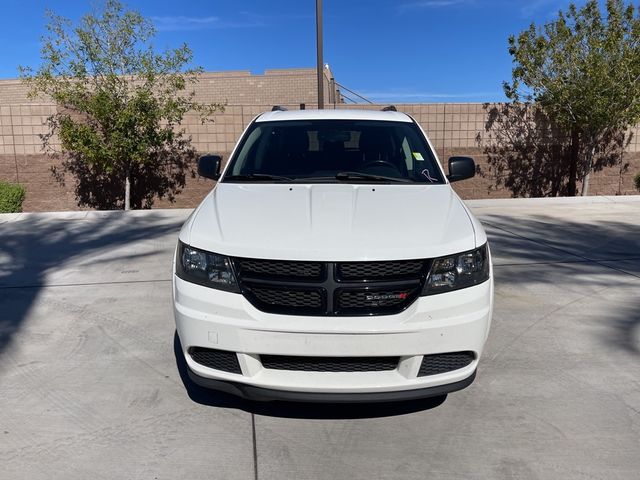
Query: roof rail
[[278, 108], [390, 108]]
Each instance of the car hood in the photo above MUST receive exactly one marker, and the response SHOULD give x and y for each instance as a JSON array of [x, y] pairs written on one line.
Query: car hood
[[331, 222]]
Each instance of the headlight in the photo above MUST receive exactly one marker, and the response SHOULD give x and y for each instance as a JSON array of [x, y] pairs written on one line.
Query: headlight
[[205, 268], [458, 271]]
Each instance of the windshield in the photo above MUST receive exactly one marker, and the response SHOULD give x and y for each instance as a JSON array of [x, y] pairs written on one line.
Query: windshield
[[335, 151]]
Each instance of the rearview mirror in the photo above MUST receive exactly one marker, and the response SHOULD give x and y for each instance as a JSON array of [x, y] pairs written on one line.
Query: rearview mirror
[[461, 168], [209, 166]]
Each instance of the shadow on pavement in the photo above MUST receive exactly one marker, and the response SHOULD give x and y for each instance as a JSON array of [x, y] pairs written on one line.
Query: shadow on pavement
[[545, 239], [571, 255], [321, 411], [36, 245], [625, 325]]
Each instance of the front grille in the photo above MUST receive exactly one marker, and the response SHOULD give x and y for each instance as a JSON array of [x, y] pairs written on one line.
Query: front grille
[[330, 289], [444, 362], [283, 300], [370, 271], [216, 359], [381, 300], [249, 267], [329, 364]]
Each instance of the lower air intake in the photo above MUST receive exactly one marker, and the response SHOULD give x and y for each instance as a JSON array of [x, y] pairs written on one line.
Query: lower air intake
[[216, 359], [444, 362], [329, 364]]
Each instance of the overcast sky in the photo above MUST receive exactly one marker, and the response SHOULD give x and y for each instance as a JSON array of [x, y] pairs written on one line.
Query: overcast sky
[[388, 51]]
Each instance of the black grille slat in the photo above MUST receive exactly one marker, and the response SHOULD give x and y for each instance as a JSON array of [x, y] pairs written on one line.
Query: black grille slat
[[444, 362], [280, 269], [367, 299], [329, 364], [330, 289], [372, 271], [288, 297], [216, 359]]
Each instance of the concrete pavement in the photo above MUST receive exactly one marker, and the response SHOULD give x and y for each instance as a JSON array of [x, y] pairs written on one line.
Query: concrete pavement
[[90, 386]]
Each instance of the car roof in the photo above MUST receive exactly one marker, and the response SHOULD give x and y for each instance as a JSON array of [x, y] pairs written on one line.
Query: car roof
[[333, 114]]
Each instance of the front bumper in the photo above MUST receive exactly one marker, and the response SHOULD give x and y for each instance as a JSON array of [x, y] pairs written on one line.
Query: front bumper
[[448, 322], [261, 394]]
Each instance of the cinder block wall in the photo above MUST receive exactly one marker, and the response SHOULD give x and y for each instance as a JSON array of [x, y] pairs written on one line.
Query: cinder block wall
[[285, 86], [452, 128]]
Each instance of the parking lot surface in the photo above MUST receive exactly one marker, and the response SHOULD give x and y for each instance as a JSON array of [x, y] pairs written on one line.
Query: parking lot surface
[[90, 387]]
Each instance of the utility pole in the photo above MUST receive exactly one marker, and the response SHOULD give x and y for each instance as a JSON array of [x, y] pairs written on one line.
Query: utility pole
[[320, 62]]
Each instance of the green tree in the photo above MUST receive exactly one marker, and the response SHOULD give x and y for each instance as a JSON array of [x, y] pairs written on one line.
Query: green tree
[[583, 71], [120, 106], [530, 155]]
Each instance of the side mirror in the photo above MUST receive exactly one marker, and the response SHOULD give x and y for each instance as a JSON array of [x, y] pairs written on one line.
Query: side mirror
[[209, 166], [461, 168]]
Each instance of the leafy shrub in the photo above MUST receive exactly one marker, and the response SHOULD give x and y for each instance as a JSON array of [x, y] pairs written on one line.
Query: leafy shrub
[[11, 197], [636, 180]]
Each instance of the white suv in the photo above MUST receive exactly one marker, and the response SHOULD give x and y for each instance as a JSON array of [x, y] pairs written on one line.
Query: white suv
[[333, 262]]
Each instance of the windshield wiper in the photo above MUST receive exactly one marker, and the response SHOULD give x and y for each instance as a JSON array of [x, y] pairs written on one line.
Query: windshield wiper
[[368, 176], [257, 176]]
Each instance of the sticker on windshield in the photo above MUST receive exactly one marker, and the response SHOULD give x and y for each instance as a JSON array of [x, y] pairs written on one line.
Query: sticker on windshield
[[418, 156]]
